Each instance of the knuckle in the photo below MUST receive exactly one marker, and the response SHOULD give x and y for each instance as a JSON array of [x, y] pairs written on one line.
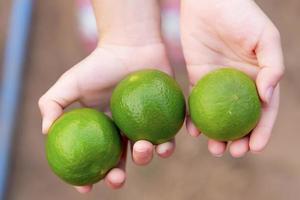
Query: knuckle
[[275, 72], [275, 34], [42, 101], [279, 72]]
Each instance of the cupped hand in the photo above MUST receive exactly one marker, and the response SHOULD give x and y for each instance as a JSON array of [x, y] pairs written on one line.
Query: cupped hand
[[234, 33], [91, 82]]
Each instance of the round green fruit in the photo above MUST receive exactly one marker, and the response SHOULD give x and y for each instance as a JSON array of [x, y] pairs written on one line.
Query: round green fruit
[[224, 105], [82, 146], [148, 105]]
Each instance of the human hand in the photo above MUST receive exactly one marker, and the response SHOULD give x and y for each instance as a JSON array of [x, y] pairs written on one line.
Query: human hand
[[234, 33], [130, 40], [91, 83]]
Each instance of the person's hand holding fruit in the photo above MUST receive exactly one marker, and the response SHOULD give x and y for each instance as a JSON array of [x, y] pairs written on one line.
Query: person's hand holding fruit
[[130, 40], [215, 34], [234, 33]]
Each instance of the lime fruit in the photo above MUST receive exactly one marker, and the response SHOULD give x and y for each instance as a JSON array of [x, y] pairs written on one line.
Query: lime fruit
[[148, 105], [82, 146], [225, 105]]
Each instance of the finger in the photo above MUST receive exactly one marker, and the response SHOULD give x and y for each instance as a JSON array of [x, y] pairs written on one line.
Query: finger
[[216, 148], [50, 110], [239, 147], [262, 132], [116, 177], [142, 152], [197, 72], [60, 95], [166, 149], [84, 189], [191, 128], [270, 59]]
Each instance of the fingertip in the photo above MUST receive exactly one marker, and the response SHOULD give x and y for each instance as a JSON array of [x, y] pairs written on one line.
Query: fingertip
[[42, 102], [262, 132], [116, 178], [84, 189], [239, 147], [191, 128], [267, 79], [260, 135], [216, 148], [165, 150], [258, 142], [142, 146], [142, 152], [255, 149], [46, 126], [50, 110]]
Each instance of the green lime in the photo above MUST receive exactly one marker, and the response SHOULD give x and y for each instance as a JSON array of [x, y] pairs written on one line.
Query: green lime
[[225, 105], [148, 105], [82, 146]]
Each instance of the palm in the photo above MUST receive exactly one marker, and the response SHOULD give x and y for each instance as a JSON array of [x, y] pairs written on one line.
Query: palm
[[91, 83], [214, 52], [229, 35], [224, 36], [97, 75]]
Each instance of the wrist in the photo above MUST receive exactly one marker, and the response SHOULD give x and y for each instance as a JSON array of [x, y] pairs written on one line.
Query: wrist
[[134, 34], [128, 22]]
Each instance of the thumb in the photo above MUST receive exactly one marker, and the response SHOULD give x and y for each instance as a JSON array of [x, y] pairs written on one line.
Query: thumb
[[60, 95], [270, 59]]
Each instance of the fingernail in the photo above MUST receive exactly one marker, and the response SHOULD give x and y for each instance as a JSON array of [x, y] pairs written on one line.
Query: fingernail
[[117, 177], [141, 149], [269, 94], [163, 149]]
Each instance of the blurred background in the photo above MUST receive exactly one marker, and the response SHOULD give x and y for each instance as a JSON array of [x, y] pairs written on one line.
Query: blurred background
[[57, 41]]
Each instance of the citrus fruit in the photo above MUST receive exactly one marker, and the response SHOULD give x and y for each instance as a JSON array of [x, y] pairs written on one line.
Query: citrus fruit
[[148, 105], [225, 105], [82, 146]]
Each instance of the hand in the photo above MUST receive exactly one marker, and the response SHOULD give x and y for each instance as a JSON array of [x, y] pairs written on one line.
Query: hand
[[234, 33], [91, 82]]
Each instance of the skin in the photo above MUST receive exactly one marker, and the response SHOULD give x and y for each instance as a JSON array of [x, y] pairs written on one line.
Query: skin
[[90, 82], [214, 34], [235, 33]]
